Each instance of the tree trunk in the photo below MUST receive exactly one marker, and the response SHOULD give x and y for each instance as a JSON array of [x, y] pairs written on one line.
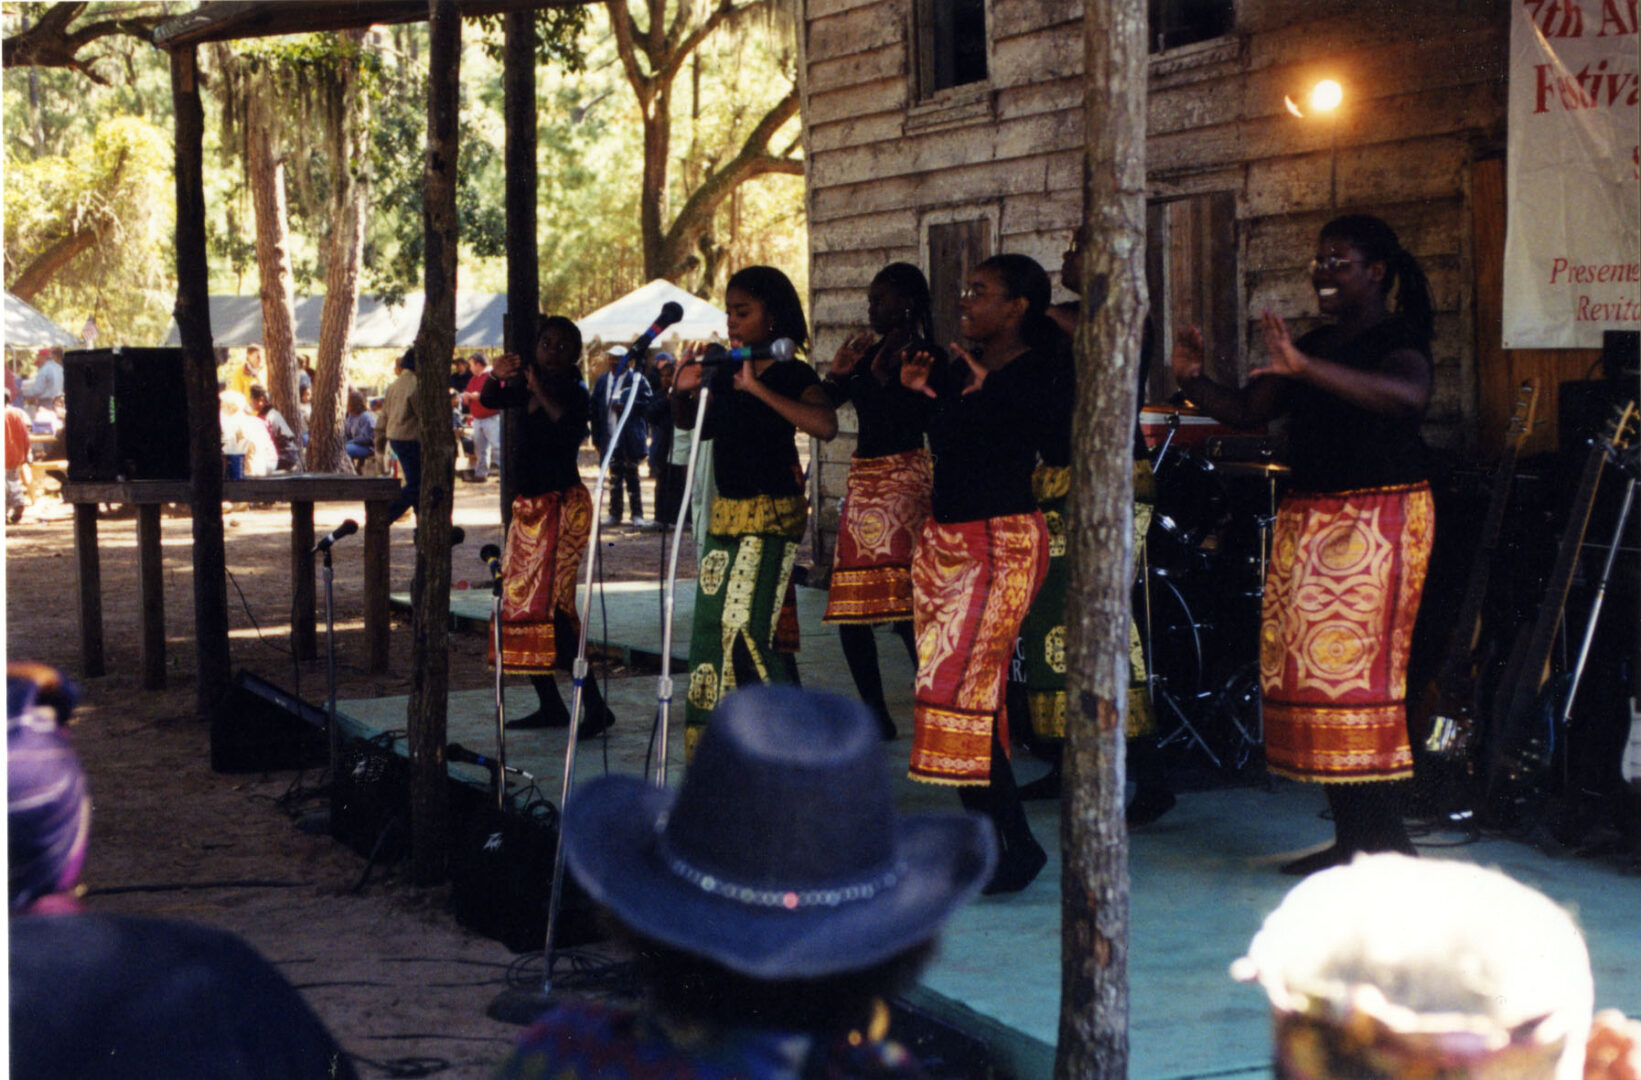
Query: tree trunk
[[193, 315], [435, 343], [652, 199], [344, 250], [273, 256], [523, 274], [1093, 1035], [50, 262]]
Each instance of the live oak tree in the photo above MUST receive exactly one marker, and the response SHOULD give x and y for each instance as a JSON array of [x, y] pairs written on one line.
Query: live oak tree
[[1093, 1033], [654, 54], [76, 35]]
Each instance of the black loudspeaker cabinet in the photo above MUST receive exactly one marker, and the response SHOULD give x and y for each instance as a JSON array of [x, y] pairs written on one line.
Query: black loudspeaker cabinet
[[501, 870], [127, 414], [370, 799], [260, 728]]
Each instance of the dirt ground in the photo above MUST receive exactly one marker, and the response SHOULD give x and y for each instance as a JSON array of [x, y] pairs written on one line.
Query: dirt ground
[[383, 962]]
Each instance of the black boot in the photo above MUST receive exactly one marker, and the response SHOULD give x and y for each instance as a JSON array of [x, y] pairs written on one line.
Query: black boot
[[860, 653], [551, 714], [1152, 795], [1021, 858], [1346, 807], [596, 717]]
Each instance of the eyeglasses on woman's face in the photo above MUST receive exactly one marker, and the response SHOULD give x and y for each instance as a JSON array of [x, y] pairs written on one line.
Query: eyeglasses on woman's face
[[1334, 263]]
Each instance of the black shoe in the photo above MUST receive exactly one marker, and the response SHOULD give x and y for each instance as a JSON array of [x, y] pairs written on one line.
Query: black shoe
[[592, 727], [885, 724], [541, 718], [1317, 860], [1046, 786], [1149, 804], [1016, 869]]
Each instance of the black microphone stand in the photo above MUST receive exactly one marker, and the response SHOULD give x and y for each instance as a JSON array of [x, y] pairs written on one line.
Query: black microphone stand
[[501, 701]]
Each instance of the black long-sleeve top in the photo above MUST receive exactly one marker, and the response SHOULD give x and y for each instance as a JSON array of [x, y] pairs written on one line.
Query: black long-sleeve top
[[891, 418], [754, 451], [985, 444], [545, 460]]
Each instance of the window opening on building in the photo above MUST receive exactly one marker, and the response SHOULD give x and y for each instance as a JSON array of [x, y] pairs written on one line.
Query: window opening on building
[[951, 44], [1183, 22]]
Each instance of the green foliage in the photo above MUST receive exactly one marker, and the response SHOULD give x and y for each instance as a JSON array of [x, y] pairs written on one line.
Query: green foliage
[[558, 37], [118, 186]]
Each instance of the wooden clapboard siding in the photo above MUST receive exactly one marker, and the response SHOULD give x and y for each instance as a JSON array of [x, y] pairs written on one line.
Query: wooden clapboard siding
[[1425, 84]]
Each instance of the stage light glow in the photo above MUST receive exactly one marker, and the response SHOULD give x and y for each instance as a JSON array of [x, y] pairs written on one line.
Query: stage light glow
[[1292, 107], [1326, 95]]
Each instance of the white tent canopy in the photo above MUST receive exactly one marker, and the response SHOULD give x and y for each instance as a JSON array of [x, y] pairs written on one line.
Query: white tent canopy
[[27, 326], [236, 321], [629, 316]]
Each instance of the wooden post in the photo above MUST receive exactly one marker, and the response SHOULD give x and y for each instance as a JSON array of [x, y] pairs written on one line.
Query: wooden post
[[435, 342], [151, 595], [523, 275], [88, 566], [193, 317], [1093, 1033], [303, 638], [378, 580]]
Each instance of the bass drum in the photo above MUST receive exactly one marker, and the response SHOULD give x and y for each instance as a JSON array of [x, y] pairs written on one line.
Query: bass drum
[[1171, 637]]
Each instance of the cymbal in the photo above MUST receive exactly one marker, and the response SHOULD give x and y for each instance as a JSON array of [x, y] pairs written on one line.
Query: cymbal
[[1251, 468]]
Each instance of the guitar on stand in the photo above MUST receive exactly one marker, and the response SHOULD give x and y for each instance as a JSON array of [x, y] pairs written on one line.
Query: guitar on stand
[[1521, 742], [1447, 708]]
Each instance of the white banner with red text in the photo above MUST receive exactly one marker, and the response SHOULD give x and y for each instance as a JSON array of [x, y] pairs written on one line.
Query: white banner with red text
[[1572, 251]]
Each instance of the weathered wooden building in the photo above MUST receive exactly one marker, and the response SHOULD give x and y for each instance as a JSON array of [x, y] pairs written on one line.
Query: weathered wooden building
[[941, 131]]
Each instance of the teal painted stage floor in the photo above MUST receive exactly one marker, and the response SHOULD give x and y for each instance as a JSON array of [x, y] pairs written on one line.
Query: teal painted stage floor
[[1202, 878]]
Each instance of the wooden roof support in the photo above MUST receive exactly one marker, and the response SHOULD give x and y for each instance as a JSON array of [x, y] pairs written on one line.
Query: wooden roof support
[[519, 157], [193, 315], [227, 20]]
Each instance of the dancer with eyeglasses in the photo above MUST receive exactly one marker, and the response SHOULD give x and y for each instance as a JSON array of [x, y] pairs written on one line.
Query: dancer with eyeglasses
[[1353, 534], [984, 551], [886, 498], [745, 625]]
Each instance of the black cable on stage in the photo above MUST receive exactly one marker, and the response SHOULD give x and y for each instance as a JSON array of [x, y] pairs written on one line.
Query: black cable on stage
[[184, 886]]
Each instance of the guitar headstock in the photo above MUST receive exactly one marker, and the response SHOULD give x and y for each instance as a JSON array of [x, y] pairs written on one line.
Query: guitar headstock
[[1621, 430]]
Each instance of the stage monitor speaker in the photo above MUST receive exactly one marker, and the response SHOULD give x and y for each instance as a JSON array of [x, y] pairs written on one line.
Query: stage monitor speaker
[[370, 799], [501, 871], [261, 728], [1621, 355], [127, 414]]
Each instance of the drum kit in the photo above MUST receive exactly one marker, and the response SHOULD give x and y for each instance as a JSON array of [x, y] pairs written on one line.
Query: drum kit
[[1199, 583]]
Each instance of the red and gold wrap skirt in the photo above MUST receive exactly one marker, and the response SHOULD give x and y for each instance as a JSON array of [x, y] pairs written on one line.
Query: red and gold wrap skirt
[[1341, 594], [885, 504], [545, 544], [972, 583]]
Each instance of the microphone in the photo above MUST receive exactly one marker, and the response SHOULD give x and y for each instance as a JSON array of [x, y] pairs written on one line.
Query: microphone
[[671, 312], [779, 349], [490, 555], [347, 528], [457, 752]]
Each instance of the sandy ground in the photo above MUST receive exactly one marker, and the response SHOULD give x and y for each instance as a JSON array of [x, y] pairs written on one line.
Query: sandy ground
[[403, 987]]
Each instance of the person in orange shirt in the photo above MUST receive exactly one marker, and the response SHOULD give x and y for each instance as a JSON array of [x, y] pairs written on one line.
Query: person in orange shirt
[[16, 461]]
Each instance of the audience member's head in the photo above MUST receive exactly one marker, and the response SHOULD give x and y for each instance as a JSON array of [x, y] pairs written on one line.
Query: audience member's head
[[48, 809], [407, 362], [1397, 967], [776, 887]]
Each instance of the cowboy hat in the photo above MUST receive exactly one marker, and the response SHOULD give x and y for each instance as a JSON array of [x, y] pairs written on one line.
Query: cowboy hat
[[780, 856]]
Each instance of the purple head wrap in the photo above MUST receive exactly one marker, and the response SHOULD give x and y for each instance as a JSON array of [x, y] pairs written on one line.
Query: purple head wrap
[[49, 807]]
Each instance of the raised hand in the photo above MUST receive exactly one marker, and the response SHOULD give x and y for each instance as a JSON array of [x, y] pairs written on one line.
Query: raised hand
[[1286, 359], [687, 379], [849, 354], [1186, 360], [977, 370], [506, 366], [914, 373]]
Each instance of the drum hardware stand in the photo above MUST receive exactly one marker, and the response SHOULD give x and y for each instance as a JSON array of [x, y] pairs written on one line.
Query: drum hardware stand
[[1629, 463]]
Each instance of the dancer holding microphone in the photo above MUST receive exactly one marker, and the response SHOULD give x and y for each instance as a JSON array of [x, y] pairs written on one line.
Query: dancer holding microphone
[[754, 410]]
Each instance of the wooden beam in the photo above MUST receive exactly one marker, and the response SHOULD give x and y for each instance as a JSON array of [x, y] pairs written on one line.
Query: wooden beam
[[228, 20], [193, 316], [151, 596]]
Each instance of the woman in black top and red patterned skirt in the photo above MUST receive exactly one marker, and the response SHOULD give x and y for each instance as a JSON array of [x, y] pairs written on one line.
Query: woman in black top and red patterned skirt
[[1353, 534], [887, 496], [552, 519], [984, 552]]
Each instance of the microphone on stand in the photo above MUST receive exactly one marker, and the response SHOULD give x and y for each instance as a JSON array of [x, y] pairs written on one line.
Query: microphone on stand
[[779, 349], [346, 529], [490, 555], [457, 535], [459, 753], [671, 312]]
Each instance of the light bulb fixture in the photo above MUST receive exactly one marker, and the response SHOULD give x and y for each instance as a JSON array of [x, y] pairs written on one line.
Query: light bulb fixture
[[1326, 95]]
